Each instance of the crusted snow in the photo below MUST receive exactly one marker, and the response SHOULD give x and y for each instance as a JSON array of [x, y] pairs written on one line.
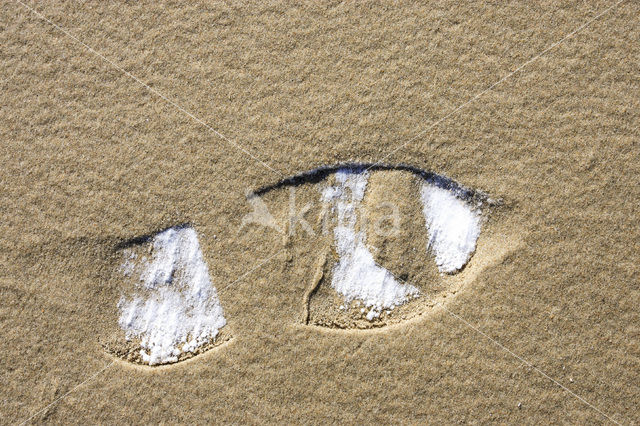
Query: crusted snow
[[177, 309], [452, 225], [356, 275]]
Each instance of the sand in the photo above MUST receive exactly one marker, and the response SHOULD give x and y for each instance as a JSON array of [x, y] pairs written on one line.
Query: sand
[[544, 329]]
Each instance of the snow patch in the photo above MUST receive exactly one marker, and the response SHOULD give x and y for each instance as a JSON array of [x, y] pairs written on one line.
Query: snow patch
[[177, 309], [356, 275], [453, 227]]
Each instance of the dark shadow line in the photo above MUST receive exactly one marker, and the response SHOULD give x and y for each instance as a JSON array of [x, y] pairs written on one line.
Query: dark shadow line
[[136, 241], [320, 173]]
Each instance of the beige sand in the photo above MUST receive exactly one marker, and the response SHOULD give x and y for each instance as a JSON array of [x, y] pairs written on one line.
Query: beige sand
[[91, 158]]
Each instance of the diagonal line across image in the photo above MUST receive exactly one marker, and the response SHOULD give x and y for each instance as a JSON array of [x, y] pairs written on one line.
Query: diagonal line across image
[[151, 89], [506, 77], [271, 169]]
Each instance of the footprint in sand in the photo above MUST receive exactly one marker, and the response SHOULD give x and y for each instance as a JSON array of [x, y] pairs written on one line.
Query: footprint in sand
[[171, 311], [391, 243]]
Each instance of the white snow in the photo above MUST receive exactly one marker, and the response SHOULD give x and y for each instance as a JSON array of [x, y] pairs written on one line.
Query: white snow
[[356, 275], [177, 308], [128, 265], [373, 313], [453, 227]]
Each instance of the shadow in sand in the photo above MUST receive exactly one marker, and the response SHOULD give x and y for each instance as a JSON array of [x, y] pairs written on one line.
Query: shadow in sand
[[320, 173]]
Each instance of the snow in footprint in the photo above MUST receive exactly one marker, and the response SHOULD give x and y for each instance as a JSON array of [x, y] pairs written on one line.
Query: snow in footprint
[[176, 310], [452, 225], [356, 276]]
